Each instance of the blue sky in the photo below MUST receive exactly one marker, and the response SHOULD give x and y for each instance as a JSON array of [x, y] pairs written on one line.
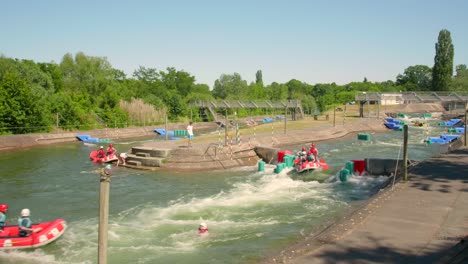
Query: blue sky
[[312, 41]]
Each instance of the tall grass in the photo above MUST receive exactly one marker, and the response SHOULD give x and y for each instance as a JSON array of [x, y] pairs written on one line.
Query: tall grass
[[141, 112]]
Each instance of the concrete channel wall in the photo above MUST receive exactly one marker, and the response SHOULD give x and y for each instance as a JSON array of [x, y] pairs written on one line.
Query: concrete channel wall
[[10, 142]]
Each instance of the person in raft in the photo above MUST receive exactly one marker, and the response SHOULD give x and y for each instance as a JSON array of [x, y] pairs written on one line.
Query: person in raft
[[101, 153], [203, 229], [190, 134], [24, 224], [111, 150], [301, 155], [314, 151], [3, 211]]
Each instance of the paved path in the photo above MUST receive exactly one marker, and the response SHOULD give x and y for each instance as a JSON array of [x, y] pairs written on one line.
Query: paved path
[[416, 222]]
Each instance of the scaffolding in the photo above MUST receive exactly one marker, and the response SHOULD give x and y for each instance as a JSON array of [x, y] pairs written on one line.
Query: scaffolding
[[293, 106]]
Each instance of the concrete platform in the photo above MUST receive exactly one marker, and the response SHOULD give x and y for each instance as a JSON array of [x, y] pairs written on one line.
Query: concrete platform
[[419, 221]]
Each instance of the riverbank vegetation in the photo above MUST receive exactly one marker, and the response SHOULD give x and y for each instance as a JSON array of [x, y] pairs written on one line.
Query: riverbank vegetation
[[85, 92]]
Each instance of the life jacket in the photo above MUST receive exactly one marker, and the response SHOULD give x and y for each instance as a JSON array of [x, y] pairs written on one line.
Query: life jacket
[[110, 151], [24, 222], [202, 231], [313, 151], [2, 220], [101, 153]]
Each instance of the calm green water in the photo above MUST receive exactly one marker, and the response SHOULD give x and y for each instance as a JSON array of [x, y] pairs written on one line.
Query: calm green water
[[154, 216]]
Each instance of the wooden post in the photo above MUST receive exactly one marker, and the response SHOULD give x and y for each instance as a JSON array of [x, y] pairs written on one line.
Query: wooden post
[[103, 214], [405, 152]]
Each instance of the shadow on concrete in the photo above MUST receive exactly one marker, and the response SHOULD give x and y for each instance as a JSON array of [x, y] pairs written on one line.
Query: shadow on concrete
[[441, 171], [378, 253]]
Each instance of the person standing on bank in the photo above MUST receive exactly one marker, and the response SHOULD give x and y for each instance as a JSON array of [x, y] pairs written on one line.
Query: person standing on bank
[[190, 134]]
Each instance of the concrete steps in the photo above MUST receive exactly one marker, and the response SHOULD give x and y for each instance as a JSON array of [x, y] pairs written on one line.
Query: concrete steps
[[147, 157]]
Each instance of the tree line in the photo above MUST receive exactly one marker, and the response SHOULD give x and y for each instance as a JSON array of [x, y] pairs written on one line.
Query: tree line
[[82, 92]]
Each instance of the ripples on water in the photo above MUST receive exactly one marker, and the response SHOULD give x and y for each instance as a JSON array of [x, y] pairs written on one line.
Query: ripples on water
[[154, 215]]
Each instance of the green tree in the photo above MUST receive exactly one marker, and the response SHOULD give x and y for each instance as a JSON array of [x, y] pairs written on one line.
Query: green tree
[[230, 86], [460, 69], [416, 78], [277, 92], [259, 78], [18, 104], [460, 81], [443, 62]]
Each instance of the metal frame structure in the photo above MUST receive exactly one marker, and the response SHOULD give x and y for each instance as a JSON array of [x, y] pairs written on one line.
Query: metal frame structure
[[234, 104], [415, 97]]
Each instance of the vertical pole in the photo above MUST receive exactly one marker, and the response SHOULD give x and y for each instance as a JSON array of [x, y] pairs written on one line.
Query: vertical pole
[[368, 106], [344, 115], [56, 120], [272, 133], [285, 118], [103, 215], [378, 108], [405, 152], [165, 128], [466, 113], [225, 128], [334, 116], [237, 128]]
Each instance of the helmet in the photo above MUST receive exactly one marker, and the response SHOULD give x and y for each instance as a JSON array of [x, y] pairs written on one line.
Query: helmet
[[3, 207], [303, 148], [312, 145], [203, 225], [110, 145], [25, 212], [109, 167], [101, 147]]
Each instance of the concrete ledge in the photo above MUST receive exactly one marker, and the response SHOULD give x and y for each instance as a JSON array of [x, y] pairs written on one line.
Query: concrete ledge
[[145, 161], [267, 154], [152, 152], [385, 167]]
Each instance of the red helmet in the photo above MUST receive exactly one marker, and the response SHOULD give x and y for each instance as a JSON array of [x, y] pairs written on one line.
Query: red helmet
[[110, 145], [312, 145], [3, 208], [303, 148]]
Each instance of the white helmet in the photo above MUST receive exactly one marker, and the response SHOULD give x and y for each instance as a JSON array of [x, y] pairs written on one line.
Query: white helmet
[[203, 225], [25, 212], [108, 166]]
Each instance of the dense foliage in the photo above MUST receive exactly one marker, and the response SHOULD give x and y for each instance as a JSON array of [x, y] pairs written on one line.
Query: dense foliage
[[84, 92], [442, 71]]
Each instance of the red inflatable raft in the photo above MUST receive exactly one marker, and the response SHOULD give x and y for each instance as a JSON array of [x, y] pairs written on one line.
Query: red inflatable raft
[[310, 165], [109, 158], [10, 239]]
